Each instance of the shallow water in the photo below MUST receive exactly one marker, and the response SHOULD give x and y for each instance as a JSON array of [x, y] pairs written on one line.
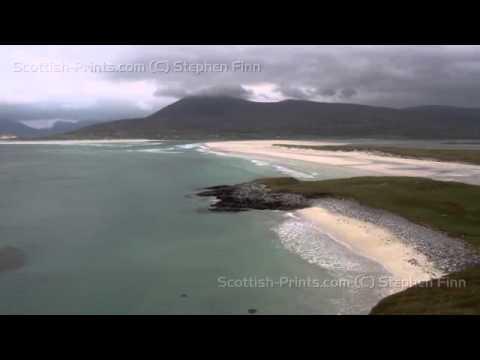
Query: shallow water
[[116, 229]]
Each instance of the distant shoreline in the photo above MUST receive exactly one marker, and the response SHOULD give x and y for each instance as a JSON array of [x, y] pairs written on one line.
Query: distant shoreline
[[374, 164], [461, 156], [83, 141]]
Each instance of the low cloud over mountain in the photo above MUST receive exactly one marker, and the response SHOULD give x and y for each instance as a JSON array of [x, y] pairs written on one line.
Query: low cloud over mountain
[[45, 83]]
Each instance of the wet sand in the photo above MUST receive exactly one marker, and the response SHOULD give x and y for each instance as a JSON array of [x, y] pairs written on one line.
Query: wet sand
[[410, 252], [403, 262]]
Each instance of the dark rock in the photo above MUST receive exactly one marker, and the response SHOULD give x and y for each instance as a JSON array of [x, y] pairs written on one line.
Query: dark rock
[[183, 295], [252, 311], [252, 195]]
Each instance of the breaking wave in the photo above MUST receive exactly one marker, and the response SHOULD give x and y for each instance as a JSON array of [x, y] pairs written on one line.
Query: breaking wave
[[303, 238]]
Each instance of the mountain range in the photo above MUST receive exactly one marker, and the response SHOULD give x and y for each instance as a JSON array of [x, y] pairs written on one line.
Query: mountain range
[[16, 129], [226, 117], [21, 130]]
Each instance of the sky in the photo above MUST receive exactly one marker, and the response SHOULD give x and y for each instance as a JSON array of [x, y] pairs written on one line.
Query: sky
[[43, 84]]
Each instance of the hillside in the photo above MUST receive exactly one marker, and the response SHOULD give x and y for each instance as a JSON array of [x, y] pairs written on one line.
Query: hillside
[[17, 129], [26, 132], [200, 117]]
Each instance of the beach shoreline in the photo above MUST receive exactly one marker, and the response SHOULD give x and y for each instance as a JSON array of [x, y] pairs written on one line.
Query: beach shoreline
[[374, 164], [407, 253], [76, 142], [411, 258], [406, 265]]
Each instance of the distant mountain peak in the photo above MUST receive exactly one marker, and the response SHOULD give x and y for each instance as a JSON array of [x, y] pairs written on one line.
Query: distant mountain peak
[[206, 116], [18, 129]]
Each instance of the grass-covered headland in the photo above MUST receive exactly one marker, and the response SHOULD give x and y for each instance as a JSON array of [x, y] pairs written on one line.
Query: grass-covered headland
[[468, 156], [450, 207]]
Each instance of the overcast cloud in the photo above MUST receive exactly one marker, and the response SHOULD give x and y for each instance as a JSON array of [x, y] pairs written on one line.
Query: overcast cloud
[[110, 82]]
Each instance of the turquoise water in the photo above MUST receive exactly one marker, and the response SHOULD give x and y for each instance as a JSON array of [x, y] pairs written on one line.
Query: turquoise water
[[115, 229]]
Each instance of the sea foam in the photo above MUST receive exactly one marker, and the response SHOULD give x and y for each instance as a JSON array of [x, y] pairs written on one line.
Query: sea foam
[[157, 151], [78, 142], [260, 163], [303, 238], [294, 173]]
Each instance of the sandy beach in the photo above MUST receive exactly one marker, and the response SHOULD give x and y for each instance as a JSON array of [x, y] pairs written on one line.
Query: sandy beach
[[406, 265], [373, 163], [409, 258]]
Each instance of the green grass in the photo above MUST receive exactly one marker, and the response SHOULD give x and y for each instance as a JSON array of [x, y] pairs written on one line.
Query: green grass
[[447, 155], [455, 294], [450, 207]]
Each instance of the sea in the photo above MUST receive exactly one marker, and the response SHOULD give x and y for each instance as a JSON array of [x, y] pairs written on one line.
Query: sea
[[116, 228]]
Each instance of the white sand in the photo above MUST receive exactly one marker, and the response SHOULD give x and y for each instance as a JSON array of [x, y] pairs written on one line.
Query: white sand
[[375, 243], [407, 266], [375, 164]]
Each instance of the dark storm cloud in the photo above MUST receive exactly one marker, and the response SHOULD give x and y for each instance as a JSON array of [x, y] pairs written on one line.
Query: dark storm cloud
[[295, 93], [396, 76], [173, 92], [383, 75], [232, 91], [328, 92], [348, 93]]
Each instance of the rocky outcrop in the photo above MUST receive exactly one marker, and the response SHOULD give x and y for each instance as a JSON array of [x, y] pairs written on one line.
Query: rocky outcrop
[[252, 195]]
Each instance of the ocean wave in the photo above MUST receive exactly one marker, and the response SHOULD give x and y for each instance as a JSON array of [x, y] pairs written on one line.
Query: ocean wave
[[189, 146], [137, 145], [292, 215], [157, 151], [180, 149], [202, 148], [294, 173], [218, 153], [78, 142], [304, 239], [260, 163]]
